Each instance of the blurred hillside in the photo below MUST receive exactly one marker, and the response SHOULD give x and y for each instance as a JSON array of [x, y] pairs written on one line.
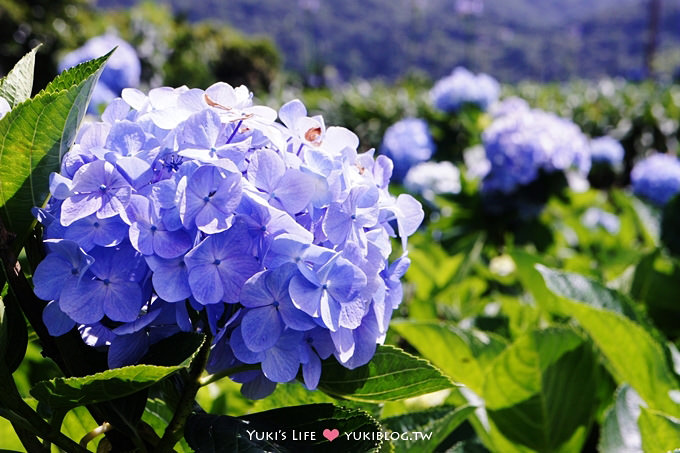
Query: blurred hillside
[[510, 39]]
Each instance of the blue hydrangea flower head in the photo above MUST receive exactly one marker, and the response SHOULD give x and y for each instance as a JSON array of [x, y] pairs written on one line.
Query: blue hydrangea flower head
[[123, 69], [433, 178], [462, 87], [195, 210], [520, 143], [606, 150], [407, 143], [656, 177]]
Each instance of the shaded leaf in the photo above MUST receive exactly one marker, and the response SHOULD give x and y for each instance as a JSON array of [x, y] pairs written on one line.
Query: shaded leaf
[[61, 393], [33, 138], [391, 375], [541, 389], [283, 430], [425, 429], [632, 354]]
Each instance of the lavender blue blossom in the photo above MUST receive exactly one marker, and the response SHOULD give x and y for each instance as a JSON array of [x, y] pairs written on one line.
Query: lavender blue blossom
[[193, 210], [521, 143], [122, 70], [656, 178], [462, 87], [595, 217], [433, 178], [606, 150], [407, 143]]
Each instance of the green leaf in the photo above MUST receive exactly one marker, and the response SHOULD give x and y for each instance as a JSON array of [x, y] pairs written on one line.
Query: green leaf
[[659, 431], [461, 354], [282, 430], [425, 429], [9, 441], [66, 393], [578, 288], [16, 87], [158, 415], [533, 281], [3, 332], [633, 355], [619, 431], [33, 138], [541, 389], [391, 375]]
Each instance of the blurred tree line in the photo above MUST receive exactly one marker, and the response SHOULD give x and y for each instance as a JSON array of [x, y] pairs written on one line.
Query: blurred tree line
[[173, 51]]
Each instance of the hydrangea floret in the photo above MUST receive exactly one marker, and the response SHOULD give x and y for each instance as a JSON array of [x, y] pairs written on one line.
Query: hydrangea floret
[[522, 142], [657, 178], [407, 142], [189, 209], [463, 87]]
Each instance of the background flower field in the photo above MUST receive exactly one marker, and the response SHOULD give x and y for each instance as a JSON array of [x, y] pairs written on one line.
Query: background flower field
[[540, 311]]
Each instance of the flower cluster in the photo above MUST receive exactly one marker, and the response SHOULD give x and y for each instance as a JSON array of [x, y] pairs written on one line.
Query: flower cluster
[[463, 87], [524, 141], [432, 178], [189, 209], [407, 142], [595, 218], [123, 69], [606, 150], [657, 178]]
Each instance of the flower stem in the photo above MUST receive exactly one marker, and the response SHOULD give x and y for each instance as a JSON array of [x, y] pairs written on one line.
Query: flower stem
[[209, 379], [175, 429]]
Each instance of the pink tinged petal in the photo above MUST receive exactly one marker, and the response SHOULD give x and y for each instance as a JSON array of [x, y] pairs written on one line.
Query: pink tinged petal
[[57, 322], [261, 328], [266, 170], [122, 301], [343, 339], [79, 206], [205, 284]]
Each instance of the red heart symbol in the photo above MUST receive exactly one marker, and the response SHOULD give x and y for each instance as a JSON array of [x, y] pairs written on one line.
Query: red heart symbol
[[331, 435]]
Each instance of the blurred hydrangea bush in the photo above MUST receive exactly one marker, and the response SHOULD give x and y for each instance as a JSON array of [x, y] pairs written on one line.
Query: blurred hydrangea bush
[[463, 87], [123, 69]]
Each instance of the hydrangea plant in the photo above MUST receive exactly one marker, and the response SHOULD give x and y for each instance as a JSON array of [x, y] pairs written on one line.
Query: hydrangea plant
[[407, 142], [198, 201], [523, 141], [657, 178], [463, 87]]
